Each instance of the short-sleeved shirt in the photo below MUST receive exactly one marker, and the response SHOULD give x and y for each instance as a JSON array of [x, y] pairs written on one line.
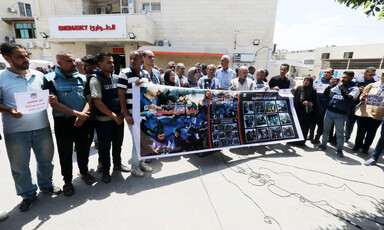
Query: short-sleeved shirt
[[261, 85], [96, 91], [202, 83], [126, 78], [70, 91], [281, 83], [11, 83], [224, 77]]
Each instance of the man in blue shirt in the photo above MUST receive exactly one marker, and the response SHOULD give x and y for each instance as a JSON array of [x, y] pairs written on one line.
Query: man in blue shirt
[[148, 65], [70, 112], [208, 82], [25, 131], [225, 74]]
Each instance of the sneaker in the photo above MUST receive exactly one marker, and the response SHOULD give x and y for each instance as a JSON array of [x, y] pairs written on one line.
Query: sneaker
[[106, 177], [54, 190], [136, 171], [322, 147], [340, 153], [145, 167], [370, 162], [26, 204], [121, 168], [3, 216], [88, 179]]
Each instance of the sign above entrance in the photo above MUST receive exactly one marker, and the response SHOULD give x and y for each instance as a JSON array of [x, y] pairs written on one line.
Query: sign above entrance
[[88, 27]]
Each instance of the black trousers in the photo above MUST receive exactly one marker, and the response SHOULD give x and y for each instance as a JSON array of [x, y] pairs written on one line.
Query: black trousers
[[109, 132], [366, 128], [67, 134]]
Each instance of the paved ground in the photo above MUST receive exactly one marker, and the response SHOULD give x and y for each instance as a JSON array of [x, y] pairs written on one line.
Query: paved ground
[[268, 187]]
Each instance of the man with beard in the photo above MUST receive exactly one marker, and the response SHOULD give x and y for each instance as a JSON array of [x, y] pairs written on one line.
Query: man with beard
[[70, 113], [25, 131], [109, 121], [341, 99]]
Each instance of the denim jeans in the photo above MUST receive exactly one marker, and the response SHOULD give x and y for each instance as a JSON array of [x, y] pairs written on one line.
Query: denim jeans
[[339, 120], [380, 144], [19, 152], [109, 132]]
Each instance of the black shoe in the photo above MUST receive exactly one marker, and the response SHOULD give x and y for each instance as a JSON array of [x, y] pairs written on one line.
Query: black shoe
[[322, 147], [106, 178], [355, 149], [340, 153], [54, 190], [121, 168], [26, 204], [315, 141], [88, 179], [364, 151]]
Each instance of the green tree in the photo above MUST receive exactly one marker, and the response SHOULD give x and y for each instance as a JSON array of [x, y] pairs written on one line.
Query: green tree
[[372, 7]]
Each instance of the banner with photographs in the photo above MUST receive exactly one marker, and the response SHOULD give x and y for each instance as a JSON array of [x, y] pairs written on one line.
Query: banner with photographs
[[375, 100], [173, 121]]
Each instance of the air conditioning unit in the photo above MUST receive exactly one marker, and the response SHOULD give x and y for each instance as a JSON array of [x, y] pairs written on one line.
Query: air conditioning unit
[[11, 10], [46, 45], [162, 43], [30, 45], [9, 38]]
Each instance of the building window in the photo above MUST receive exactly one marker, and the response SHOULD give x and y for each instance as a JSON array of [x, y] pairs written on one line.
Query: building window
[[150, 6], [364, 63], [25, 30], [25, 9], [348, 54], [309, 61], [325, 55]]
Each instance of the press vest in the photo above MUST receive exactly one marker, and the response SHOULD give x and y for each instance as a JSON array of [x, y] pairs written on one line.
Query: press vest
[[69, 91], [110, 97], [337, 101]]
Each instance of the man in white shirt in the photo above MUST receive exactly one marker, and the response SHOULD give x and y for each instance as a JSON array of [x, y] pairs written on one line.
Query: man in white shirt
[[225, 74]]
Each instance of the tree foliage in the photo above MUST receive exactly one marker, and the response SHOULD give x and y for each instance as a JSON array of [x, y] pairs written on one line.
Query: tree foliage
[[373, 7]]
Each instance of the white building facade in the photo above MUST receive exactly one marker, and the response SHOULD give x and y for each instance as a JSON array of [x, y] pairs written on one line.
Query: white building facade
[[177, 30]]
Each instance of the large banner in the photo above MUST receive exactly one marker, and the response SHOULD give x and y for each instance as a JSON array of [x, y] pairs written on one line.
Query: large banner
[[173, 121]]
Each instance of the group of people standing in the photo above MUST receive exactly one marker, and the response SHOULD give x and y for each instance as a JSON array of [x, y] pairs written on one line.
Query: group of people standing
[[100, 100]]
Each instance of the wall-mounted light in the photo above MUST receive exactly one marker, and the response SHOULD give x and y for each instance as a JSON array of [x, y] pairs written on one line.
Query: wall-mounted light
[[44, 35], [256, 42], [131, 35]]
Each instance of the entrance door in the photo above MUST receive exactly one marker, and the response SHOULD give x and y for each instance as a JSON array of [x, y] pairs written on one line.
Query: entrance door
[[119, 60]]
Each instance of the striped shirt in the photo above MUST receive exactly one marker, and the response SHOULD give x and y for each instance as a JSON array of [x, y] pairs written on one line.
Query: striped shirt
[[126, 78]]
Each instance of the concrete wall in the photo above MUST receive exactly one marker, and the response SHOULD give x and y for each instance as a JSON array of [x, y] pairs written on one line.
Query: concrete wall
[[366, 51]]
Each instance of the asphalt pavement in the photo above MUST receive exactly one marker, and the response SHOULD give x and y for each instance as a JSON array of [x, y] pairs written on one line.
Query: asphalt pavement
[[267, 187]]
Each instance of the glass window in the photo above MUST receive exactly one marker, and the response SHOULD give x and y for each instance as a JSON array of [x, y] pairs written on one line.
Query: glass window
[[146, 6], [22, 9], [25, 30], [325, 55], [28, 10], [348, 54], [156, 6]]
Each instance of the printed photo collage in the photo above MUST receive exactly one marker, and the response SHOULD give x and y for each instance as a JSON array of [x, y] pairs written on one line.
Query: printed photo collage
[[224, 123], [267, 120]]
